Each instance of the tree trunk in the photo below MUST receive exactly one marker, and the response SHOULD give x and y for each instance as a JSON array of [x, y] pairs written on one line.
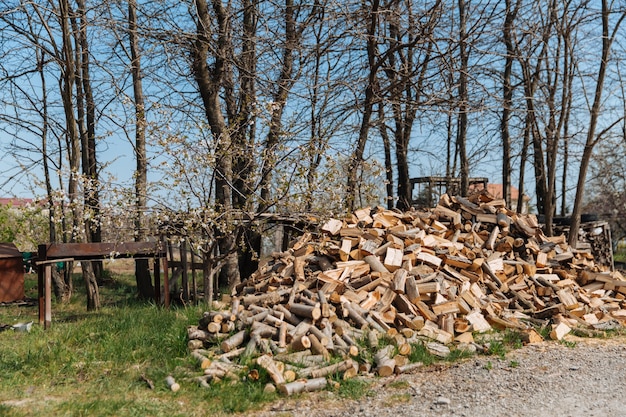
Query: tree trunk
[[87, 125], [507, 102], [463, 99], [592, 139], [245, 128], [74, 147], [145, 288], [284, 84], [382, 127], [356, 161], [209, 81]]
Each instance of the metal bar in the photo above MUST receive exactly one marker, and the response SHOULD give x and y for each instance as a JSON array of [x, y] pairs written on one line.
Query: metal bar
[[41, 254], [48, 296]]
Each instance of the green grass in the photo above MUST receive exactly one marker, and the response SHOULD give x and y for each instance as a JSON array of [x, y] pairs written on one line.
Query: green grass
[[354, 389], [97, 363], [419, 353], [620, 255]]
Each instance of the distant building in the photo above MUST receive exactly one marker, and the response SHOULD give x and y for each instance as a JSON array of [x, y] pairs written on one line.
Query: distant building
[[496, 191], [16, 202]]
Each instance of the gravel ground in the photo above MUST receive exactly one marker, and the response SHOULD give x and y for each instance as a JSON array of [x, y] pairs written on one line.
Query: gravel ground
[[582, 377]]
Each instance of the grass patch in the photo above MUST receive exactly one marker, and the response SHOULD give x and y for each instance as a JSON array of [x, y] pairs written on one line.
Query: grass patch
[[459, 354], [512, 339], [620, 255], [568, 343], [354, 389], [396, 399], [419, 353], [399, 385], [234, 398], [500, 343], [97, 363]]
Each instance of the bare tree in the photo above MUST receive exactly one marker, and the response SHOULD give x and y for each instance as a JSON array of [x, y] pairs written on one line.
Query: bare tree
[[608, 37], [507, 91], [408, 55], [369, 100], [142, 271]]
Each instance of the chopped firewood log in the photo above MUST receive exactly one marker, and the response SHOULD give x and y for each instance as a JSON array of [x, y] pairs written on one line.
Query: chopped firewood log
[[531, 336], [393, 259], [385, 365], [234, 341], [432, 331], [559, 331], [399, 280], [171, 383], [299, 386], [332, 227], [202, 360], [266, 362], [306, 311], [478, 322], [408, 368], [337, 368], [375, 264], [446, 308], [317, 347]]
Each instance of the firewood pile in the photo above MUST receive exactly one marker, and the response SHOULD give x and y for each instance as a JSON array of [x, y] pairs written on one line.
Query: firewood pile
[[356, 297]]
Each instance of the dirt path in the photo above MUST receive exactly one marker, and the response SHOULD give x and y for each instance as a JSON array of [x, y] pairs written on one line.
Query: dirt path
[[583, 377]]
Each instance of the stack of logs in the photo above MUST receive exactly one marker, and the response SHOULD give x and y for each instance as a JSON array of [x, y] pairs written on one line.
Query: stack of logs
[[435, 277]]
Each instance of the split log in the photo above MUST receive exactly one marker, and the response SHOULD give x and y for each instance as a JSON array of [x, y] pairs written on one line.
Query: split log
[[324, 306], [375, 264], [559, 331], [399, 280], [317, 347], [267, 363], [385, 365], [412, 292]]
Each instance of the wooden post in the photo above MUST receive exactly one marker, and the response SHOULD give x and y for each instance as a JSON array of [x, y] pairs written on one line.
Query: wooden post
[[44, 282], [183, 263], [166, 281], [157, 278], [194, 282]]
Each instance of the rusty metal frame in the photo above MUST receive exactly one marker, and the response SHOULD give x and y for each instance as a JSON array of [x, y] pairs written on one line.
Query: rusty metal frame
[[66, 252]]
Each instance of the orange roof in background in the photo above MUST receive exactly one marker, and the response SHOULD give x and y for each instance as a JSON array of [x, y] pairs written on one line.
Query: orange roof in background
[[15, 202], [496, 191]]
